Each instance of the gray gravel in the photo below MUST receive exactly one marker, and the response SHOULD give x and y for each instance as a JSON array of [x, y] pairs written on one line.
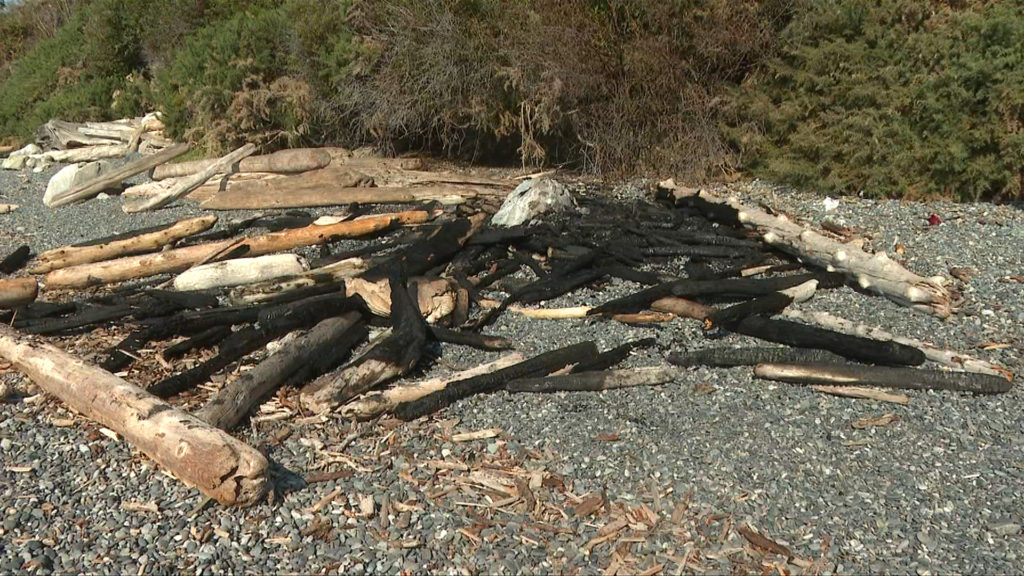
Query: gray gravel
[[941, 490]]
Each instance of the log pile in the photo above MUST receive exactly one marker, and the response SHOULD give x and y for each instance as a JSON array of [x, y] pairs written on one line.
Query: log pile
[[353, 325]]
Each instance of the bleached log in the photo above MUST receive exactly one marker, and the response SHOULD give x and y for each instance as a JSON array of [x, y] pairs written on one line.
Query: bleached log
[[113, 179], [330, 274], [189, 183], [268, 194], [282, 162], [179, 259], [864, 394], [373, 404], [211, 187], [951, 358], [198, 454], [15, 292], [87, 154], [874, 272], [240, 271], [8, 208], [883, 376], [148, 242], [436, 297]]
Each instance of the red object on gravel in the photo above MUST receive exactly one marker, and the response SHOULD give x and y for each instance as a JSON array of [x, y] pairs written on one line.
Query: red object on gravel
[[934, 220]]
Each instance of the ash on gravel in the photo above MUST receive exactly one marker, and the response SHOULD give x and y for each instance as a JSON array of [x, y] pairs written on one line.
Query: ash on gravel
[[939, 490]]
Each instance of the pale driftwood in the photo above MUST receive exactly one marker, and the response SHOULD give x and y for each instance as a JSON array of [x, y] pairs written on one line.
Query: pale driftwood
[[802, 292], [373, 404], [240, 271], [883, 376], [212, 186], [267, 194], [435, 297], [198, 454], [87, 154], [8, 208], [179, 259], [307, 356], [552, 313], [147, 242], [112, 179], [330, 274], [682, 308], [953, 359], [189, 183], [864, 394], [15, 292], [874, 272], [282, 162]]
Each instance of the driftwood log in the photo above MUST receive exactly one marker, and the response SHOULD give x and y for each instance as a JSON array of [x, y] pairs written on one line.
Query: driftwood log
[[373, 404], [200, 455], [179, 259], [240, 271], [874, 272], [282, 162], [852, 347], [15, 292], [189, 183], [145, 242], [329, 275], [309, 355], [883, 376], [951, 358], [278, 193], [113, 179]]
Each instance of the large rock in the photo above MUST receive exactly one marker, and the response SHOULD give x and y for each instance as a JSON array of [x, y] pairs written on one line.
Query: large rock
[[73, 175], [18, 159], [530, 199]]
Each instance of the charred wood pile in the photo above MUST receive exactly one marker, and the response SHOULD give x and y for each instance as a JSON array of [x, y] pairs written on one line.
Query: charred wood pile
[[348, 327]]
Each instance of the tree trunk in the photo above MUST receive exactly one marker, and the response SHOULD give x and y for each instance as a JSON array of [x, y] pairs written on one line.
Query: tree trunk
[[178, 259], [89, 189], [279, 194], [211, 460], [189, 183], [145, 242]]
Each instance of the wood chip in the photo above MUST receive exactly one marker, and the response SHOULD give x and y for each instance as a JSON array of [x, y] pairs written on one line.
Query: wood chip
[[588, 506], [19, 469], [62, 422], [477, 435], [878, 421], [993, 345], [366, 506], [607, 438], [150, 507], [613, 527], [762, 542]]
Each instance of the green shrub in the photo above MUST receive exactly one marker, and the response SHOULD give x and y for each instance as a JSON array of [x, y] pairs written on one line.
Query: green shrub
[[891, 97]]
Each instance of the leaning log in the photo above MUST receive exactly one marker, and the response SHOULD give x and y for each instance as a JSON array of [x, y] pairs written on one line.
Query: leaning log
[[394, 355], [884, 377], [15, 292], [951, 358], [200, 455], [373, 404], [189, 183], [308, 356], [109, 180], [179, 259], [874, 272], [596, 381], [140, 244]]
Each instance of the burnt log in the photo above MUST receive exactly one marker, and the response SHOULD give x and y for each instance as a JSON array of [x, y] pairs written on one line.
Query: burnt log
[[596, 381], [750, 356], [852, 347], [15, 260]]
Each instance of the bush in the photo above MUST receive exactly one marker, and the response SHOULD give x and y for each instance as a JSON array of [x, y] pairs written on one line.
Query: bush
[[892, 98]]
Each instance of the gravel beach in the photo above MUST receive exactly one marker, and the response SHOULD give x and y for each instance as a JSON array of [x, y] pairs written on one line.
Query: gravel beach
[[685, 468]]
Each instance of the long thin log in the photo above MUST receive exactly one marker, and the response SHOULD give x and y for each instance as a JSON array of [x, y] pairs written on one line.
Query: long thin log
[[189, 183], [211, 460], [613, 357], [852, 347], [750, 356], [373, 404], [268, 194], [864, 394], [951, 358], [240, 271], [596, 381], [282, 162], [875, 272], [89, 189], [16, 292], [884, 376], [307, 356], [140, 244], [178, 259], [332, 274], [539, 365], [471, 339]]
